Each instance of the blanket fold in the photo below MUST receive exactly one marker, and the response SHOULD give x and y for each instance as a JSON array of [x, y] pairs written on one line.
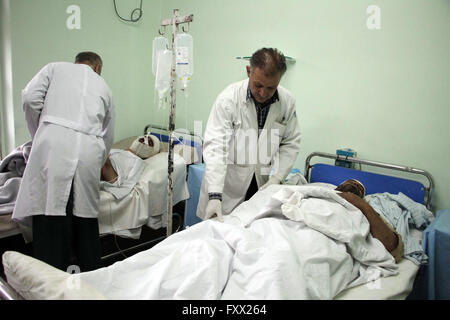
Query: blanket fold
[[11, 172]]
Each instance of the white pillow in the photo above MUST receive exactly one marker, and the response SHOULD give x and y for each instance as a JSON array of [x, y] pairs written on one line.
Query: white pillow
[[124, 143], [36, 280]]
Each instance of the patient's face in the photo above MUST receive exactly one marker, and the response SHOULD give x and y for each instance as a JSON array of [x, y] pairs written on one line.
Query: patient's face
[[352, 186], [149, 140]]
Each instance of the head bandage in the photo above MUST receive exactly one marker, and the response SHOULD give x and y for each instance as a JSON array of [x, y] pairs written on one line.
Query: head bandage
[[145, 146], [352, 185], [363, 187]]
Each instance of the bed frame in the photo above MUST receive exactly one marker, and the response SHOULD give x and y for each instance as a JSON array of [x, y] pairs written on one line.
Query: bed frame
[[7, 292], [415, 183], [321, 172], [182, 137], [373, 182]]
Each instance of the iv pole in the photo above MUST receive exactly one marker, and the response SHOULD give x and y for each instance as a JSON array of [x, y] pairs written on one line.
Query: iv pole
[[174, 22]]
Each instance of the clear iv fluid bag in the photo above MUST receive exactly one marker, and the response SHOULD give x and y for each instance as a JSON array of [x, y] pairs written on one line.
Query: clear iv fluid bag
[[184, 50], [163, 69], [159, 44]]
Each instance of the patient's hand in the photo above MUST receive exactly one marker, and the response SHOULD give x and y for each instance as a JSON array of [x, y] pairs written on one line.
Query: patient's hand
[[353, 199]]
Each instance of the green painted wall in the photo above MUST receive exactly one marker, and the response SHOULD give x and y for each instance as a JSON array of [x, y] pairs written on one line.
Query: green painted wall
[[382, 92], [40, 35], [2, 152]]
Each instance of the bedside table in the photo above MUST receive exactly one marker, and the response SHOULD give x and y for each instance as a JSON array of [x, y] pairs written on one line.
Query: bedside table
[[436, 244]]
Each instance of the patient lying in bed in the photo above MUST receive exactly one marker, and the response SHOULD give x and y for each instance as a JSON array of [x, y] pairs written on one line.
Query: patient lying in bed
[[122, 169], [353, 191], [121, 172], [143, 147], [286, 242]]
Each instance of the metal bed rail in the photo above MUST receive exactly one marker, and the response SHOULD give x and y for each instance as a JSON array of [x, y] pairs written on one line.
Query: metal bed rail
[[140, 245], [176, 131], [428, 190], [7, 292], [179, 136]]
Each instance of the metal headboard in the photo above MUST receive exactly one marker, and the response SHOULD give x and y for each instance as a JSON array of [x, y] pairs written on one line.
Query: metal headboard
[[148, 128], [428, 190]]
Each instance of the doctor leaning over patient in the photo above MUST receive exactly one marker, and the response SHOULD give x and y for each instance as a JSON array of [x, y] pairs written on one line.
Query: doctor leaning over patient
[[69, 111], [252, 137]]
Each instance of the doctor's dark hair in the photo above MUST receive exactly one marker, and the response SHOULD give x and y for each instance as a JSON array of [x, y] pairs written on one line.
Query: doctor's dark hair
[[90, 58], [270, 60]]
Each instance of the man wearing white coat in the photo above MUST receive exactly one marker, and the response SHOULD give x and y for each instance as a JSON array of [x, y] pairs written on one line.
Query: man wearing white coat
[[252, 137], [69, 111]]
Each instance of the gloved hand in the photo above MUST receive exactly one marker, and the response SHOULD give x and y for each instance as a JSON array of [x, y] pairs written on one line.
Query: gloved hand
[[272, 180], [214, 207]]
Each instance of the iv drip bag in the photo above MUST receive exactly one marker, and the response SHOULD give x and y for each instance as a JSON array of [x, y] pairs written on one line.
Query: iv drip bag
[[163, 69], [184, 57], [159, 44]]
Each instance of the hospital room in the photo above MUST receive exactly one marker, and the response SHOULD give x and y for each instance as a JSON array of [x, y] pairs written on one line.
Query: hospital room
[[251, 150]]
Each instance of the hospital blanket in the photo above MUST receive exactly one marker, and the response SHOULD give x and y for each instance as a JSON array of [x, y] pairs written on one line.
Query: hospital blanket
[[11, 172], [286, 242], [128, 167], [146, 202], [401, 212]]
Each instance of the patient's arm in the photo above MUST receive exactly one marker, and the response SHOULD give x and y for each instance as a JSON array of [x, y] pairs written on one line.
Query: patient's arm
[[108, 173], [378, 228]]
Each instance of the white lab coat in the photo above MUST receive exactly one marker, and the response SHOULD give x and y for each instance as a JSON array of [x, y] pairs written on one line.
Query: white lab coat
[[70, 115], [234, 151]]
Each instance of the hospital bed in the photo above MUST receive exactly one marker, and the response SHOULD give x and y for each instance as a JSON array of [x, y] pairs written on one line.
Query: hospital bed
[[168, 254], [420, 190], [378, 177], [145, 206]]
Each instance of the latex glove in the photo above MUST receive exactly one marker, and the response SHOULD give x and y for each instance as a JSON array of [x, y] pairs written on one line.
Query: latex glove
[[214, 207], [272, 180]]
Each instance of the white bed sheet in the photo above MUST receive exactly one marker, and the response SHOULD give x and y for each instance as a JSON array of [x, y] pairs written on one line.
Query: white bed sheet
[[386, 288], [213, 260], [272, 258], [146, 204], [396, 287]]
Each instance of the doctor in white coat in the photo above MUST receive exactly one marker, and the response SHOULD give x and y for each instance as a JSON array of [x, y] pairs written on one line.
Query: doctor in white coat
[[69, 111], [252, 137]]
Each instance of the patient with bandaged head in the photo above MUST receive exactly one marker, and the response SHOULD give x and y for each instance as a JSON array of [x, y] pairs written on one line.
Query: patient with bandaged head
[[122, 169], [353, 191]]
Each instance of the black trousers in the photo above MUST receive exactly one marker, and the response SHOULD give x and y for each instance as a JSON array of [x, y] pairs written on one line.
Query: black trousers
[[252, 189], [62, 241]]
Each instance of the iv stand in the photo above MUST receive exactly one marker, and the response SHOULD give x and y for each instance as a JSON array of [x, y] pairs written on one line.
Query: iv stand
[[174, 22]]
